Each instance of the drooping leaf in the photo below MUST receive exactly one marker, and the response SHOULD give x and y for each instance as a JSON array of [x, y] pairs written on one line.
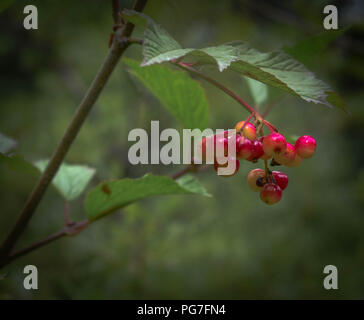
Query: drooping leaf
[[258, 91], [276, 68], [6, 143], [70, 180], [281, 71], [182, 96], [307, 49], [19, 164], [110, 196]]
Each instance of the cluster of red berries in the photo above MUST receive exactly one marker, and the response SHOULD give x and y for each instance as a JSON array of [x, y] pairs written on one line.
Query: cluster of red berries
[[251, 148]]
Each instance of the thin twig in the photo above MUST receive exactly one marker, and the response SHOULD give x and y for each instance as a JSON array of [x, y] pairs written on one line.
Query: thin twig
[[182, 172], [67, 218], [76, 228], [189, 168], [115, 52], [217, 84]]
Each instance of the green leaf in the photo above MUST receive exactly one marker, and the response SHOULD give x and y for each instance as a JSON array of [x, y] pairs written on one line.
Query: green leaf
[[156, 39], [182, 96], [6, 143], [4, 4], [276, 68], [281, 71], [307, 49], [110, 196], [18, 163], [258, 90], [70, 180]]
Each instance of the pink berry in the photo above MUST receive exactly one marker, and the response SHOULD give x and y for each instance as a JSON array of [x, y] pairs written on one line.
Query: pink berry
[[274, 143], [271, 193], [257, 151], [305, 146], [281, 179], [221, 142], [244, 149], [264, 156], [253, 176], [205, 143]]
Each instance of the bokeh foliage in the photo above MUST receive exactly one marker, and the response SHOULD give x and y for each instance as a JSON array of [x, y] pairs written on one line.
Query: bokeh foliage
[[227, 246]]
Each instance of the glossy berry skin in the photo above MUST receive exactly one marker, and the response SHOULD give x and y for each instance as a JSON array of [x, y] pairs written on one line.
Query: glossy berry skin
[[252, 178], [286, 156], [220, 141], [305, 146], [217, 165], [271, 193], [274, 143], [221, 144], [244, 149], [264, 156], [281, 179], [249, 130], [257, 151]]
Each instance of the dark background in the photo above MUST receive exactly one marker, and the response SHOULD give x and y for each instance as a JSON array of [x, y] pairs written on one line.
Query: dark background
[[229, 246]]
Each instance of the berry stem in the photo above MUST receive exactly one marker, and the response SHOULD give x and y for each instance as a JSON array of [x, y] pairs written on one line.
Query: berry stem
[[271, 127], [218, 85], [267, 171], [247, 120]]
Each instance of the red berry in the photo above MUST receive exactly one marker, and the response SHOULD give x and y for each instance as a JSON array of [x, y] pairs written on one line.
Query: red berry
[[286, 156], [205, 143], [221, 145], [271, 193], [281, 179], [305, 146], [244, 149], [257, 151], [274, 143], [227, 161], [253, 176]]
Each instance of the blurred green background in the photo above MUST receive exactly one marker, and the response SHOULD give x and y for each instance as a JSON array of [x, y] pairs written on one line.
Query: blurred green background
[[231, 246]]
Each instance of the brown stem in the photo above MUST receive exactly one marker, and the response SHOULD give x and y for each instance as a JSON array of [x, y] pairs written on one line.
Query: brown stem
[[270, 126], [76, 228], [117, 49], [116, 12], [73, 228]]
